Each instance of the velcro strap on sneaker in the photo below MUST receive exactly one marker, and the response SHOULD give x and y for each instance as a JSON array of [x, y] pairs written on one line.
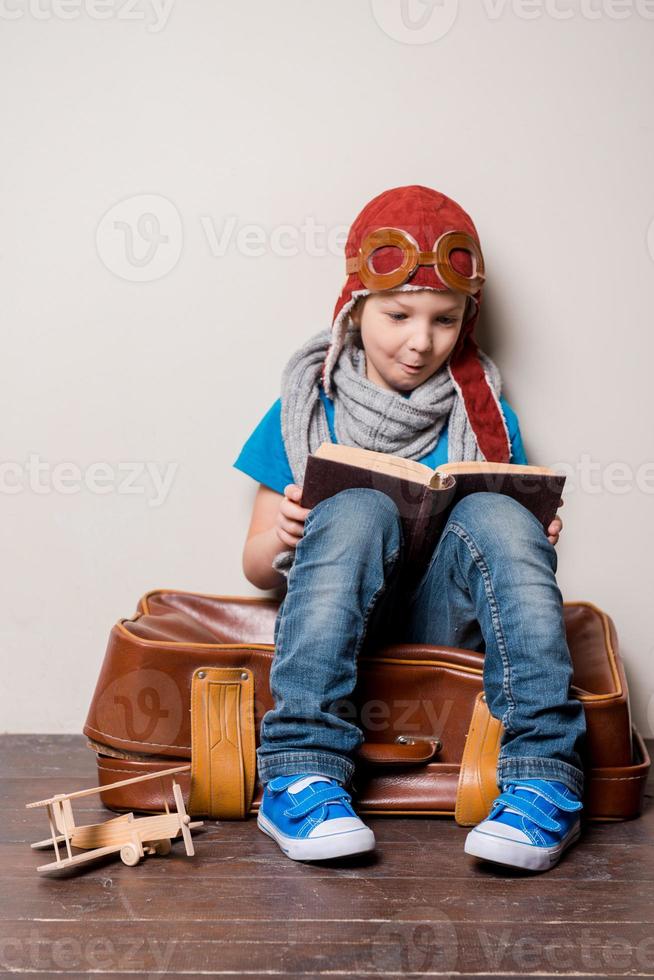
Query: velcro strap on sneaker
[[527, 809], [327, 795], [279, 783], [551, 794]]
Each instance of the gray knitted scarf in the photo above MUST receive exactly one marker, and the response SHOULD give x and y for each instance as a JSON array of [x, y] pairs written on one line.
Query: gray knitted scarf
[[367, 415]]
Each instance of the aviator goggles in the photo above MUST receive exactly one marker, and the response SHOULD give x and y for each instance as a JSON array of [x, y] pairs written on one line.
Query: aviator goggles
[[439, 257]]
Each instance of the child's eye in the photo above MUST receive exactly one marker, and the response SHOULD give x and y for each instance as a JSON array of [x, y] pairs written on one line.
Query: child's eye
[[447, 320]]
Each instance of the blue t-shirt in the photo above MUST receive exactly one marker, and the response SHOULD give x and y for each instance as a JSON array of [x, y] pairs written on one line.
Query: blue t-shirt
[[263, 457]]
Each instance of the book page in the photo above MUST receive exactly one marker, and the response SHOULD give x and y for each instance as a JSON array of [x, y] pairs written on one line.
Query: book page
[[406, 469], [483, 466]]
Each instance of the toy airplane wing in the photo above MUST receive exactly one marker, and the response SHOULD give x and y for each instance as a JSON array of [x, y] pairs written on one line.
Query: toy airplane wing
[[101, 789]]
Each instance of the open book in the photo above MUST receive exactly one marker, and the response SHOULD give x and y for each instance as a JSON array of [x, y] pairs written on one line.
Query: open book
[[424, 497]]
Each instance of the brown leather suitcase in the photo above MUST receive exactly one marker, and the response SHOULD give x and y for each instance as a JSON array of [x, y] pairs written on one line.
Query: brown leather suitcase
[[186, 678]]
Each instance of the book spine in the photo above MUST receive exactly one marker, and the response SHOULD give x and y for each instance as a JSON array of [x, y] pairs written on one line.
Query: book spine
[[433, 512], [424, 533]]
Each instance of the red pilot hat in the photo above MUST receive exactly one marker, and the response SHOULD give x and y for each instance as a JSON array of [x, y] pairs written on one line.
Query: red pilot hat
[[417, 238]]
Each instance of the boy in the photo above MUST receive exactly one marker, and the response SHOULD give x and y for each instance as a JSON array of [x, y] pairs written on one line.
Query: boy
[[400, 372]]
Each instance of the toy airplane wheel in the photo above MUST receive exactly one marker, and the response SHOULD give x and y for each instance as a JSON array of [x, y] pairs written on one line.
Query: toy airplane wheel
[[129, 855], [163, 847]]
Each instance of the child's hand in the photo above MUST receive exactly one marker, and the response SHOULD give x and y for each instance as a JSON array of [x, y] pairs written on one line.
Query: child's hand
[[555, 527], [291, 517]]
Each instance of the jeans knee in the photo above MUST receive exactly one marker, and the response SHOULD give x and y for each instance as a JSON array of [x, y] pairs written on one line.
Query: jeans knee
[[359, 514], [497, 521]]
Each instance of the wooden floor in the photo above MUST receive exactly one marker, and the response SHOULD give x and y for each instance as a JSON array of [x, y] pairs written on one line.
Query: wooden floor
[[417, 907]]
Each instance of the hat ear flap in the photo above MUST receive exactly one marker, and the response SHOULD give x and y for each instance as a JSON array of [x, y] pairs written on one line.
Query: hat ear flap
[[470, 308]]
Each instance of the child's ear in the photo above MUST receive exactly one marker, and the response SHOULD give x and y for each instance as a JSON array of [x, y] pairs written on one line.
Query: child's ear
[[354, 336], [355, 324], [356, 311], [354, 331]]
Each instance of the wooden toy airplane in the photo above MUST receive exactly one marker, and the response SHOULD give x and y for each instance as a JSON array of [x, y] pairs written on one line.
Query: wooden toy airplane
[[131, 836]]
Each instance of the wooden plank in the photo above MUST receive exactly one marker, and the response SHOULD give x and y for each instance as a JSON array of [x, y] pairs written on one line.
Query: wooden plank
[[388, 828], [326, 972], [173, 976], [222, 859], [19, 824], [14, 822], [46, 752], [361, 947], [492, 895]]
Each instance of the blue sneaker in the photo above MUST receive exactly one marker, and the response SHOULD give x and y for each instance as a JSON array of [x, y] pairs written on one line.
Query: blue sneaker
[[530, 825], [311, 818]]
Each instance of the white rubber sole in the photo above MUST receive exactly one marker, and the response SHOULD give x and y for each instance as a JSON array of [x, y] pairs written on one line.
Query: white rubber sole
[[319, 848], [501, 850]]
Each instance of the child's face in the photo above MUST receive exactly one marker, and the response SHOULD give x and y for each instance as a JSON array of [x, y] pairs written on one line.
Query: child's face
[[409, 328]]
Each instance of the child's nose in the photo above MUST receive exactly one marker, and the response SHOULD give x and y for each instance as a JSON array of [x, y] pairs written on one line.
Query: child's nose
[[421, 340]]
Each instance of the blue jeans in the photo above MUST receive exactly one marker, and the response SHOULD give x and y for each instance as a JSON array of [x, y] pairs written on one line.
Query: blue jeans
[[490, 586]]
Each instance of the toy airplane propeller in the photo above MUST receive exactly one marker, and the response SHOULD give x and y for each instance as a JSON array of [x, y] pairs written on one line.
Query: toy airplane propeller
[[132, 837]]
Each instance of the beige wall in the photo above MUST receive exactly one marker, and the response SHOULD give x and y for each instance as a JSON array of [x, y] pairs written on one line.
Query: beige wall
[[125, 350]]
